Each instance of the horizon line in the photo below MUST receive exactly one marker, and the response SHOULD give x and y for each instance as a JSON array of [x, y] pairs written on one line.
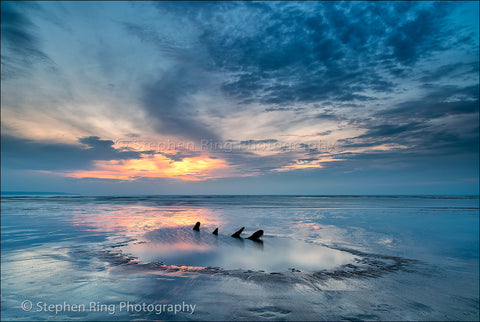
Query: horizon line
[[246, 195]]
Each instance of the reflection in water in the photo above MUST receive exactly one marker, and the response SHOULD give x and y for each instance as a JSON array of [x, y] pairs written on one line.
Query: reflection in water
[[258, 244], [134, 220], [168, 238], [183, 246], [63, 249]]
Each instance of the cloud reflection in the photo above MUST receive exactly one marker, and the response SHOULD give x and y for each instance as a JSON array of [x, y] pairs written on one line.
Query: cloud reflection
[[137, 220], [181, 246]]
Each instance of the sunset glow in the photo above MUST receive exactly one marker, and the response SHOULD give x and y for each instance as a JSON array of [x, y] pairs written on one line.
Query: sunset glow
[[239, 97], [156, 166]]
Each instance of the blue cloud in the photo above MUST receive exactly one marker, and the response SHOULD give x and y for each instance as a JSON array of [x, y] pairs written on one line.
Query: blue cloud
[[20, 153], [21, 46]]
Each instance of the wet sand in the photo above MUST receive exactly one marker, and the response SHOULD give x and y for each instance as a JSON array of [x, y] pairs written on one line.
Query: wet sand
[[372, 260]]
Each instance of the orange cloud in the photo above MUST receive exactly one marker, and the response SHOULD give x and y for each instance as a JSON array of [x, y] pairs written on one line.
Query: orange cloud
[[157, 166], [306, 164]]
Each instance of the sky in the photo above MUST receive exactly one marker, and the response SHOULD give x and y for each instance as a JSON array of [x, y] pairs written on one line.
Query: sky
[[236, 97]]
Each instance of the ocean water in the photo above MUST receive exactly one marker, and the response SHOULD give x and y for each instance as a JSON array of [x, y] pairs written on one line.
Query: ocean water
[[320, 258]]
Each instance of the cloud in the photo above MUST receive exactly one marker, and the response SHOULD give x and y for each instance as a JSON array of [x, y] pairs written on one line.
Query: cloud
[[180, 154], [451, 71], [383, 130], [265, 141], [420, 35], [283, 109], [156, 166], [324, 133], [439, 101], [382, 80], [443, 121], [21, 46], [169, 101], [20, 153], [282, 53], [327, 116]]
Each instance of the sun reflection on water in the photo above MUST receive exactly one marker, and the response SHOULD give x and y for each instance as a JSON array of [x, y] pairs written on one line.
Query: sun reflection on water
[[137, 220]]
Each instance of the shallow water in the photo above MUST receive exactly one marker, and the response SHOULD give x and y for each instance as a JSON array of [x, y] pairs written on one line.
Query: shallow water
[[322, 258], [183, 246]]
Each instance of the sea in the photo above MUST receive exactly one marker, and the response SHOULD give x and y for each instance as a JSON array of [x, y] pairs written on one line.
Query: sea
[[320, 258]]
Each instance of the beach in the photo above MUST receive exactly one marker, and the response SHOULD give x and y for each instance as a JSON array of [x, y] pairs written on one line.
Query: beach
[[320, 258]]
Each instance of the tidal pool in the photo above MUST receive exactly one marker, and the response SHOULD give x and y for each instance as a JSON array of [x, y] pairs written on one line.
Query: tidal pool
[[186, 247]]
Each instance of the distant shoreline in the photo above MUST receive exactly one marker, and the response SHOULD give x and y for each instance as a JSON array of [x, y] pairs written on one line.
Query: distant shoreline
[[36, 193], [51, 193]]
